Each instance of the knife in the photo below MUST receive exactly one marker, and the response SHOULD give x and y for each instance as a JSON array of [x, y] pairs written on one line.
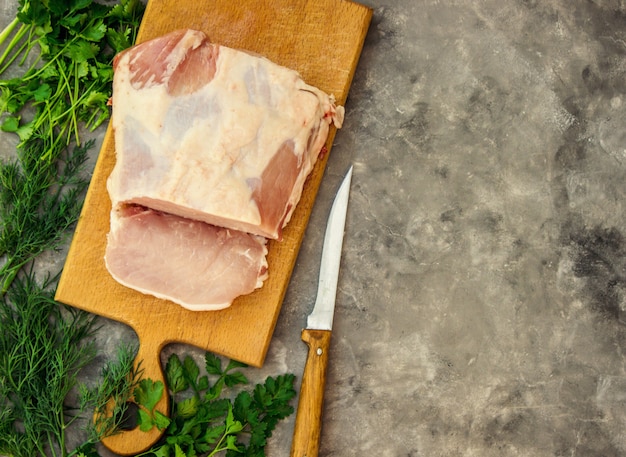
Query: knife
[[317, 333]]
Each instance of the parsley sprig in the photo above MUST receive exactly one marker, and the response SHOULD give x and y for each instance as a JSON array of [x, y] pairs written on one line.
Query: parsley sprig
[[67, 46], [204, 420]]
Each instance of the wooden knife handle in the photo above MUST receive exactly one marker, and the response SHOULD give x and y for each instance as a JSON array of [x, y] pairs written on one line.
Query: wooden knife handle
[[306, 435]]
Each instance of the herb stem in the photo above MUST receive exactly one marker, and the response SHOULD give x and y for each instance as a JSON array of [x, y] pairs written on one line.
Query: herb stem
[[21, 32], [9, 29]]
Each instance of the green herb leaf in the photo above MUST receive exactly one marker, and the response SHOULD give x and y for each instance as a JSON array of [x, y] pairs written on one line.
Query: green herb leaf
[[42, 93], [163, 451], [178, 452], [214, 434], [10, 124], [57, 7], [190, 369], [72, 22], [25, 131], [231, 442], [232, 426], [95, 32], [81, 50], [213, 364], [203, 383], [175, 376], [161, 421], [145, 421], [76, 5], [232, 379], [188, 407], [148, 393], [118, 40]]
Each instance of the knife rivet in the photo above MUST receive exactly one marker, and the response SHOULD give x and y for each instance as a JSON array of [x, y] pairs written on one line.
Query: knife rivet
[[319, 351]]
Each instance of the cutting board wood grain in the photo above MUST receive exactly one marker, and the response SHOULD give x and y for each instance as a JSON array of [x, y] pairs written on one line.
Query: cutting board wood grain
[[322, 40]]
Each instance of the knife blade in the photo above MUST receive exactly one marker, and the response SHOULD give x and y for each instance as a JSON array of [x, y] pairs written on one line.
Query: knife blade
[[318, 330]]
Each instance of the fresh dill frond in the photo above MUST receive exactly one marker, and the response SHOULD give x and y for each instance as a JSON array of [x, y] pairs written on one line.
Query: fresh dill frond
[[39, 202], [43, 347], [110, 398]]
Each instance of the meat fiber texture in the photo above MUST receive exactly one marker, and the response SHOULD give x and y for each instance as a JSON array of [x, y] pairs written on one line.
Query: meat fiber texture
[[209, 141], [198, 265]]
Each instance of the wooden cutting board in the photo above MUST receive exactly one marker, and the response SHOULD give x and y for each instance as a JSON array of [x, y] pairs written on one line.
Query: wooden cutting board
[[322, 39]]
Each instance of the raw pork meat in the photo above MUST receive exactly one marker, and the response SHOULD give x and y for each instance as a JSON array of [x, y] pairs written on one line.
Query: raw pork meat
[[214, 134], [192, 263], [213, 147]]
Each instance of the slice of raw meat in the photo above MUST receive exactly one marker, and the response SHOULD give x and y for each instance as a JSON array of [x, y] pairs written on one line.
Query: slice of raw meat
[[215, 134], [194, 264]]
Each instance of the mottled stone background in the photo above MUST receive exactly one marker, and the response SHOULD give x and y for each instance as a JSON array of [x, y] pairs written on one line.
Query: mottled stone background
[[482, 301]]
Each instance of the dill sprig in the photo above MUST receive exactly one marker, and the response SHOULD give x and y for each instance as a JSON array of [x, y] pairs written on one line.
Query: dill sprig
[[43, 346], [111, 398], [39, 202]]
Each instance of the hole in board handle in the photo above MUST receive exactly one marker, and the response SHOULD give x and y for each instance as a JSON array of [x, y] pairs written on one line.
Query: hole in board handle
[[130, 417]]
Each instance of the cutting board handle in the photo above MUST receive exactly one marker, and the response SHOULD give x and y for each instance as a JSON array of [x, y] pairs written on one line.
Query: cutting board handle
[[135, 441]]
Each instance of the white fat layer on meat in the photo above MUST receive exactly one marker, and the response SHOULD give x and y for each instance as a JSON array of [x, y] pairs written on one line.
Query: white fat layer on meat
[[204, 146]]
